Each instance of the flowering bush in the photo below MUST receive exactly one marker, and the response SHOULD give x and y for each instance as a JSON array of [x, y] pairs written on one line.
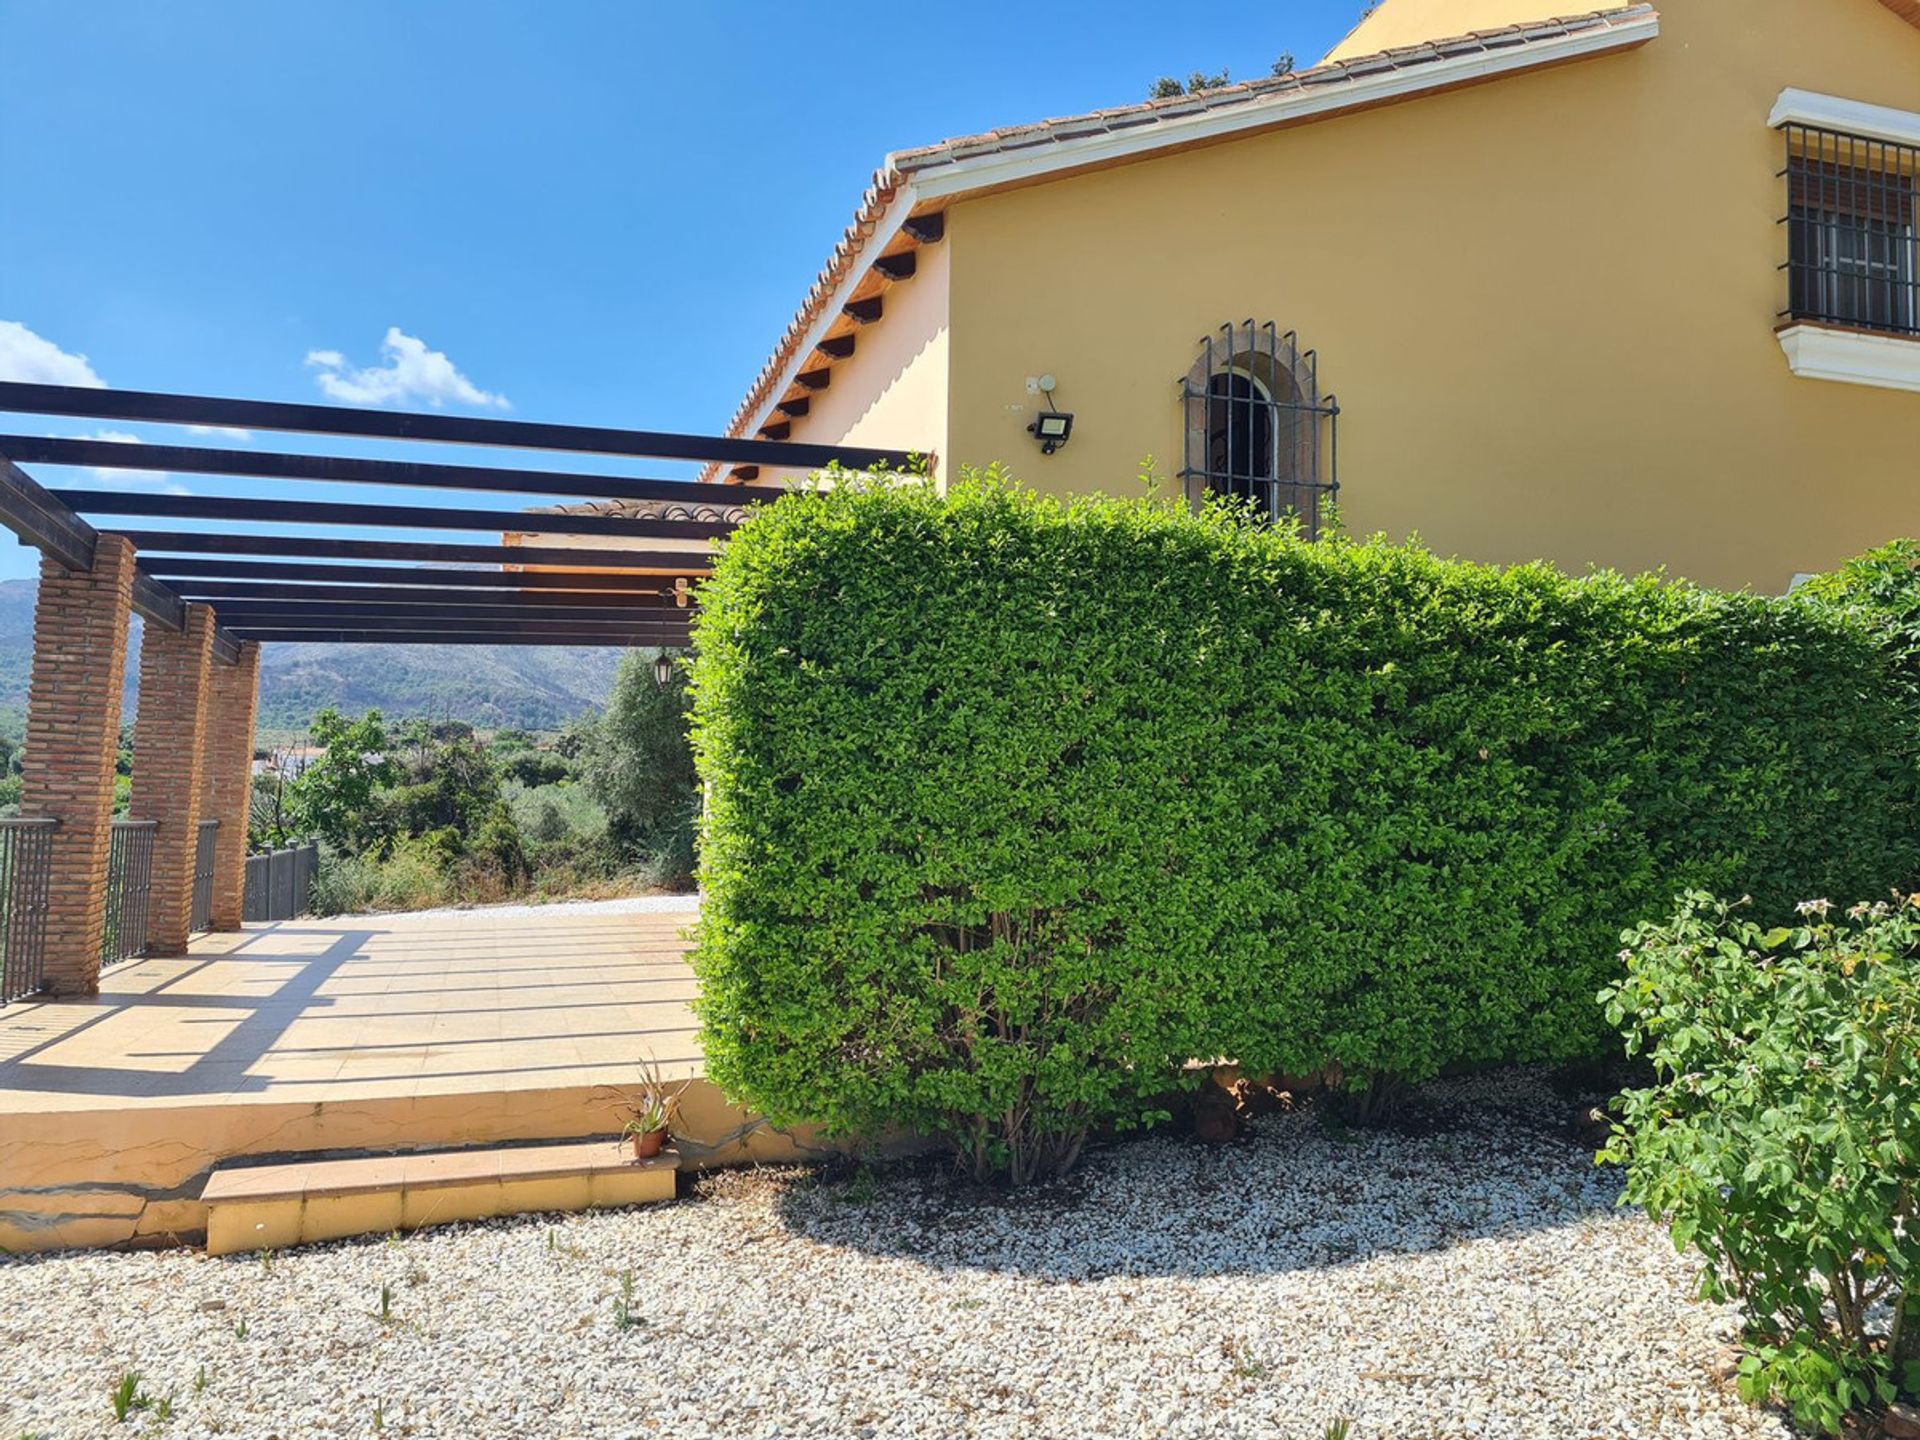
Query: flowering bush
[[1779, 1138]]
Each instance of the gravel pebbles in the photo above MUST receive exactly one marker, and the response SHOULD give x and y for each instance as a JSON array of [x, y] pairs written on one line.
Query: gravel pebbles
[[1474, 1279]]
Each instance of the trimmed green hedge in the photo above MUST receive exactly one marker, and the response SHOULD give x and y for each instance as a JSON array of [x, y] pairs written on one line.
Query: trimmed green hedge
[[1013, 806]]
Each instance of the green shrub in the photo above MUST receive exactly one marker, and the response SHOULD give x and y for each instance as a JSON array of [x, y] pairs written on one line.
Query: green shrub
[[638, 764], [408, 877], [1780, 1136], [1013, 807]]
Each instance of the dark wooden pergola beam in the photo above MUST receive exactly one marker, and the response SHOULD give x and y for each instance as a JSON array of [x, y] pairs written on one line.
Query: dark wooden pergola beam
[[42, 520], [261, 465], [95, 404], [338, 619], [240, 592], [265, 634], [194, 574], [417, 552], [239, 608], [403, 517]]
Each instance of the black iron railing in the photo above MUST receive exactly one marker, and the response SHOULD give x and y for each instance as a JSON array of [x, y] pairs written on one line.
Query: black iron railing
[[129, 887], [203, 853], [1853, 252], [26, 852], [280, 883]]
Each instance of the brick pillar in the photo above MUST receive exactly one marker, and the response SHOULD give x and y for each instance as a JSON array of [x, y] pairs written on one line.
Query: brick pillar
[[226, 785], [73, 736], [169, 741]]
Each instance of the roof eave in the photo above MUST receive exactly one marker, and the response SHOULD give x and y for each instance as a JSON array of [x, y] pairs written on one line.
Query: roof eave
[[927, 177]]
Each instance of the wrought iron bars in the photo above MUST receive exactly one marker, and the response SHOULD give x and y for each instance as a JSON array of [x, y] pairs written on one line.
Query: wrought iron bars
[[26, 849], [1853, 253], [1257, 427], [129, 888], [203, 851]]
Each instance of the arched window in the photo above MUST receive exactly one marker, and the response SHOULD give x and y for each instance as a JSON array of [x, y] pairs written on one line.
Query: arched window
[[1257, 427]]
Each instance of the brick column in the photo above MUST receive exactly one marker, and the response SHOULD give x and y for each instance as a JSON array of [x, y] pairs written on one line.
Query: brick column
[[73, 736], [169, 741], [226, 785]]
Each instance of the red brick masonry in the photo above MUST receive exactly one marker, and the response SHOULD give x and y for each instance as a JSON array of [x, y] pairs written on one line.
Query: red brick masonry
[[73, 735], [226, 782], [169, 731]]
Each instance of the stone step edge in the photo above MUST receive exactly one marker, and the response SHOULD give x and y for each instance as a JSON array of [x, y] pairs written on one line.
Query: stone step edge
[[425, 1170]]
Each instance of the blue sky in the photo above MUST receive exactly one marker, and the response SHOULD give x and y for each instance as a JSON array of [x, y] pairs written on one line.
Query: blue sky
[[590, 212]]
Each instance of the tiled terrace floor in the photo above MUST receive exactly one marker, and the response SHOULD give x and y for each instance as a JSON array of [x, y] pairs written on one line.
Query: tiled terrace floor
[[445, 1003], [349, 1036]]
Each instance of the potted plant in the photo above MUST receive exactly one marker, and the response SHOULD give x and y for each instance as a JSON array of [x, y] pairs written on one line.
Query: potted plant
[[650, 1111]]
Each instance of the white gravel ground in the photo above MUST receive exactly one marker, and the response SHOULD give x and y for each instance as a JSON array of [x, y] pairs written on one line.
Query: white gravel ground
[[1472, 1281]]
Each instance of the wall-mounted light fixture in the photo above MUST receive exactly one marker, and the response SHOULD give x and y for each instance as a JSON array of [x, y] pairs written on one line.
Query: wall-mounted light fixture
[[1052, 428]]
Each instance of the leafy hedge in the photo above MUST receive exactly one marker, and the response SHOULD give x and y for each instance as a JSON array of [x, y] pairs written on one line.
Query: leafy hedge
[[1013, 807]]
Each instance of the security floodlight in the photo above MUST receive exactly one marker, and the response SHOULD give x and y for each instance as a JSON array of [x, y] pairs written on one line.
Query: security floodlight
[[1052, 429]]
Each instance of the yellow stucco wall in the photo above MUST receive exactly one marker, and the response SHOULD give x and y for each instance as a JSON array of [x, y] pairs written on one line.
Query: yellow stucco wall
[[893, 391], [1547, 305]]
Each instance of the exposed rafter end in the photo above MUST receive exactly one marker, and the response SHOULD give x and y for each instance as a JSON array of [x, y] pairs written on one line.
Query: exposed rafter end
[[815, 380], [794, 406], [837, 347], [927, 229], [896, 267], [864, 312]]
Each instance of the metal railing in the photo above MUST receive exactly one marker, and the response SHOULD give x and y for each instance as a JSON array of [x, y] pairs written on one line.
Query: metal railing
[[280, 883], [129, 887], [203, 853], [26, 853]]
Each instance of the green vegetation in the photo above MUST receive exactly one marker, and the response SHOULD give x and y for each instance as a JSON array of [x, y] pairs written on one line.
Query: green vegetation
[[423, 813], [1780, 1136], [1014, 807]]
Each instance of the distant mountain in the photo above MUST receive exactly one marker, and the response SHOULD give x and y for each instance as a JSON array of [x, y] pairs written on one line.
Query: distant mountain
[[536, 687]]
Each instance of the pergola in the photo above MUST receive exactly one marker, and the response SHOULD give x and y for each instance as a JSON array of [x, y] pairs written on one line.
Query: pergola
[[621, 573]]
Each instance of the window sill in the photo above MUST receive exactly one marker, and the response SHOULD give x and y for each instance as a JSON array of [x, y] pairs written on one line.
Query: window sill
[[1853, 357]]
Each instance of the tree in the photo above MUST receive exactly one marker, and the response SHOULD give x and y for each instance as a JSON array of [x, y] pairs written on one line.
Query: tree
[[639, 765], [1167, 87], [333, 799]]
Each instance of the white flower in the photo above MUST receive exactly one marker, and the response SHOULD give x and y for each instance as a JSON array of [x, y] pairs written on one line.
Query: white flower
[[1814, 907]]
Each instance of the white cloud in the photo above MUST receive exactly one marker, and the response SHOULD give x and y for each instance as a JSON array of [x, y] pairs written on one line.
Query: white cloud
[[29, 357], [225, 432], [411, 372]]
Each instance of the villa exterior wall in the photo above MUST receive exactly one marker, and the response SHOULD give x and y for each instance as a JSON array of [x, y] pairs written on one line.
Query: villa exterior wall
[[1546, 304]]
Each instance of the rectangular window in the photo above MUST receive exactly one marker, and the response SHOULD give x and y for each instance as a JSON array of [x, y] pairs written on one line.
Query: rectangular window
[[1853, 254]]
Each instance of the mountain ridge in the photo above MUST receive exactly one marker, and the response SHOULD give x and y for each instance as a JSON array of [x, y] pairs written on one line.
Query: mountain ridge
[[533, 687]]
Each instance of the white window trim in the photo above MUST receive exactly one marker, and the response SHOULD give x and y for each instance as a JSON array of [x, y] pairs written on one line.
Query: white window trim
[[1852, 117], [1852, 357]]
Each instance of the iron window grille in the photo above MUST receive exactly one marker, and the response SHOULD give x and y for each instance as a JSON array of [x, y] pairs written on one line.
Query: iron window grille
[[1258, 429], [1853, 253]]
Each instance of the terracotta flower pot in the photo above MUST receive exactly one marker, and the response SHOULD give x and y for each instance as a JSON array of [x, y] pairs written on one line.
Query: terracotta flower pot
[[647, 1143]]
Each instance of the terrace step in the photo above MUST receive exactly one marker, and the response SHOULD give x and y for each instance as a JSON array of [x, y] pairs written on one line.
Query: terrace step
[[270, 1207]]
